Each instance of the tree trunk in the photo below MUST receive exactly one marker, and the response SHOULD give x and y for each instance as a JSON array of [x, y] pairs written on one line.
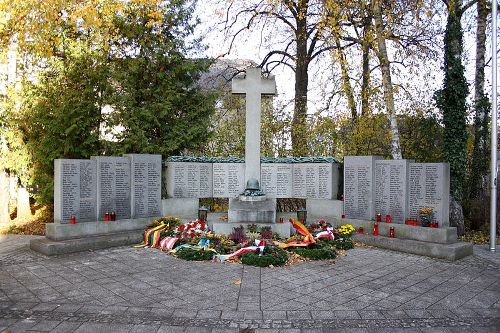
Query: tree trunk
[[457, 216], [387, 82], [478, 181], [346, 83], [365, 83], [4, 197], [299, 126]]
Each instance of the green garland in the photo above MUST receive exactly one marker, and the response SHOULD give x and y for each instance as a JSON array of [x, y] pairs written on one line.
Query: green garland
[[272, 256], [193, 255]]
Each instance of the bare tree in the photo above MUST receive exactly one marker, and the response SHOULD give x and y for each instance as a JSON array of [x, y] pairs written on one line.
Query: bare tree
[[297, 30]]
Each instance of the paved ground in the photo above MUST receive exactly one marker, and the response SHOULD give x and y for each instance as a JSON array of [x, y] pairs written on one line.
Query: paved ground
[[144, 290]]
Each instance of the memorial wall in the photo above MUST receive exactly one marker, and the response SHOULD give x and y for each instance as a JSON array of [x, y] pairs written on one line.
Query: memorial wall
[[398, 188], [278, 180], [129, 186]]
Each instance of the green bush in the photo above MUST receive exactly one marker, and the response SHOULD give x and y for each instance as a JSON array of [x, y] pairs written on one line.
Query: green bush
[[272, 256], [193, 255], [317, 253]]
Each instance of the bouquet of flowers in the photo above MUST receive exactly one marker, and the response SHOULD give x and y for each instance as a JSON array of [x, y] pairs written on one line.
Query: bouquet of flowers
[[426, 216]]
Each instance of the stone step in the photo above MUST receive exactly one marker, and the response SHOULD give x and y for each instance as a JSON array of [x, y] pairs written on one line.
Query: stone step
[[452, 251], [52, 247], [443, 235]]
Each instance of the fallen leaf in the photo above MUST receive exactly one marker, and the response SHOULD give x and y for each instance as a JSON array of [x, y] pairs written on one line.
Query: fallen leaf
[[237, 282]]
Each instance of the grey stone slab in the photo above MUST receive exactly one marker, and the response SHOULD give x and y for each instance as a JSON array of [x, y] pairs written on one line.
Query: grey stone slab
[[315, 180], [391, 189], [52, 247], [430, 187], [359, 187], [228, 179], [189, 180], [450, 252], [146, 185], [113, 186], [75, 190]]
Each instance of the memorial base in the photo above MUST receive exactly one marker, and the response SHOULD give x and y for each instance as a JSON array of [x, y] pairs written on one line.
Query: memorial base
[[453, 251], [252, 211], [324, 209], [59, 231], [183, 208], [52, 247], [225, 228], [444, 235]]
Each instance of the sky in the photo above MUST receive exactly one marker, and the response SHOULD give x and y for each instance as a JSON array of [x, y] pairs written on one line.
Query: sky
[[422, 81]]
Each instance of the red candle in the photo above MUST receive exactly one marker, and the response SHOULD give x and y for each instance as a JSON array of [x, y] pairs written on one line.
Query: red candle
[[379, 218], [414, 222], [106, 216], [375, 229], [436, 224], [388, 219], [361, 230], [391, 232], [73, 219], [113, 216]]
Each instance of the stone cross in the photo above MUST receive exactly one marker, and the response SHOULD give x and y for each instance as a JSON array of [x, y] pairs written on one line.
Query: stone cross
[[253, 85]]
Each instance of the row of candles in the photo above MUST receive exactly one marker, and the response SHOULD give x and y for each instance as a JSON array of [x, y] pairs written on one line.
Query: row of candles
[[392, 233], [107, 217]]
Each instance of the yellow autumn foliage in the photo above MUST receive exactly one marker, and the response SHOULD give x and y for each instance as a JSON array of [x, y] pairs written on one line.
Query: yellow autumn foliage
[[44, 27]]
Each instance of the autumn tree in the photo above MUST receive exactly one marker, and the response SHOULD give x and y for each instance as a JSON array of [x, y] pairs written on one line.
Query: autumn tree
[[133, 63]]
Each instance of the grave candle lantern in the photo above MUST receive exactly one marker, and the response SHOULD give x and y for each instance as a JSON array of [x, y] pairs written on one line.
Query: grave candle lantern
[[388, 218], [343, 216], [391, 232], [361, 230], [106, 216], [408, 221], [113, 216], [375, 229], [302, 214], [202, 213], [414, 222], [379, 217], [73, 219]]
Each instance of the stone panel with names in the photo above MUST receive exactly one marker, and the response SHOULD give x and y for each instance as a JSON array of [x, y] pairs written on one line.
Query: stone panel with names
[[228, 179], [391, 189], [359, 179], [189, 180], [75, 184], [277, 180], [113, 186], [314, 180], [430, 188], [145, 185]]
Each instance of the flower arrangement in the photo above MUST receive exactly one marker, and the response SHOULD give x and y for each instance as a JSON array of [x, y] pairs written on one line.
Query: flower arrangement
[[321, 225], [194, 241], [190, 232], [426, 216], [346, 230]]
